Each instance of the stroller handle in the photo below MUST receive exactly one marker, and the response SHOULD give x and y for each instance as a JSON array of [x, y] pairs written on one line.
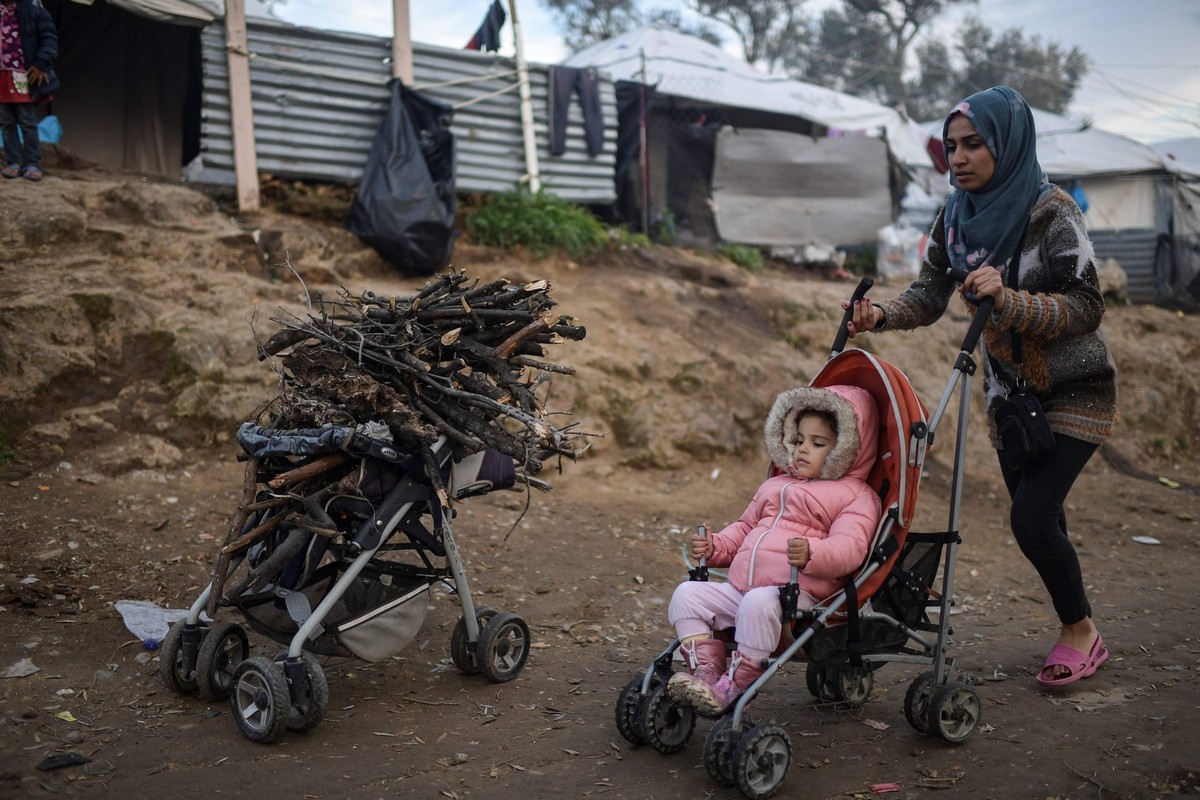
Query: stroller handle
[[860, 291], [980, 319]]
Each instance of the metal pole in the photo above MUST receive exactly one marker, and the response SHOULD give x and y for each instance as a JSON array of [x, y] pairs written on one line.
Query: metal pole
[[402, 51], [643, 154], [245, 157], [531, 157]]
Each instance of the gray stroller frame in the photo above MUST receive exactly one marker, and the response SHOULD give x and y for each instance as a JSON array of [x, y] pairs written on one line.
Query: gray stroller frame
[[322, 542], [882, 615]]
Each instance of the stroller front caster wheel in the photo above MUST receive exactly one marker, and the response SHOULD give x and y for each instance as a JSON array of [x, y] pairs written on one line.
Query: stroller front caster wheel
[[178, 675], [311, 711], [503, 647], [761, 760], [662, 723], [719, 745], [628, 705], [954, 711], [916, 701], [260, 699], [224, 647], [461, 651]]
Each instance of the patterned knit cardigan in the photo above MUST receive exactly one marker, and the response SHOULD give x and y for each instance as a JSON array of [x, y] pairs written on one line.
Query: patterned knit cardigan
[[1055, 310]]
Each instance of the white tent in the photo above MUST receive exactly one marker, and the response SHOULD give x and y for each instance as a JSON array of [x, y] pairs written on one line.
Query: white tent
[[684, 66], [1181, 156]]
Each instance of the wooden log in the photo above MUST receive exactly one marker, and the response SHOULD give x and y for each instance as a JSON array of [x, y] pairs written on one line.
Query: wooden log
[[309, 470]]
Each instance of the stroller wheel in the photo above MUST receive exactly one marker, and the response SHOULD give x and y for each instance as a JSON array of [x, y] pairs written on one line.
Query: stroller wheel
[[224, 647], [305, 717], [849, 686], [503, 647], [461, 651], [172, 667], [761, 760], [954, 711], [259, 699], [718, 749], [916, 701], [628, 704], [664, 725]]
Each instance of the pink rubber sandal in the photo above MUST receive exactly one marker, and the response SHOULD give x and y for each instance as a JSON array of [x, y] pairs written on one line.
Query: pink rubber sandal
[[1081, 665], [11, 171], [32, 174]]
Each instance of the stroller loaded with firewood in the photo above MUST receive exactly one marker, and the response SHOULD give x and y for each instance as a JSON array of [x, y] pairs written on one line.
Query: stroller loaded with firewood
[[391, 410], [895, 608]]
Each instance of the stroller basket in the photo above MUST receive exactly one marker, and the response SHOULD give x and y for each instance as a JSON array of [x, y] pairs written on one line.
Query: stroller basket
[[374, 619]]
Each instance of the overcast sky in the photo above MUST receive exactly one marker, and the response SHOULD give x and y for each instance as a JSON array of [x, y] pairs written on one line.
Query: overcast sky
[[1144, 82]]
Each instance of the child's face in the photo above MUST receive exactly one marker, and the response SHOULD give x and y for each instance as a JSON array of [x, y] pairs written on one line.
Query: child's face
[[815, 437]]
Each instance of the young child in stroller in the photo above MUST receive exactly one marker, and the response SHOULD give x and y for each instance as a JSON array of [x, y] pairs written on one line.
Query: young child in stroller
[[816, 513]]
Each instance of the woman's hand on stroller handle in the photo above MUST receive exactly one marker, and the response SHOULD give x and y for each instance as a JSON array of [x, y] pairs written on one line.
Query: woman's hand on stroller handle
[[852, 319]]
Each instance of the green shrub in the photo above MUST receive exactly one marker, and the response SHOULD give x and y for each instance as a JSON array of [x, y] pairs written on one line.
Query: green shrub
[[747, 257], [541, 222]]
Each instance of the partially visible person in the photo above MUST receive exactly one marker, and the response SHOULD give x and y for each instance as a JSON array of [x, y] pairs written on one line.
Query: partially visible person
[[28, 49], [818, 514], [1005, 216]]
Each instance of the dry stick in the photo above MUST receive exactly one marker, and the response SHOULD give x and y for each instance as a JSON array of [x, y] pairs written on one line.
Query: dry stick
[[506, 348], [250, 537], [446, 428], [312, 468], [1090, 780], [249, 489]]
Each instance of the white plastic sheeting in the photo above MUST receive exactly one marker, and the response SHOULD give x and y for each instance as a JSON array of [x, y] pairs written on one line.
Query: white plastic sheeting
[[780, 188], [684, 66]]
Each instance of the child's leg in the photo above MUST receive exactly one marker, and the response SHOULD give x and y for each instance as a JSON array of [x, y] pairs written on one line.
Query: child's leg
[[700, 607], [759, 622]]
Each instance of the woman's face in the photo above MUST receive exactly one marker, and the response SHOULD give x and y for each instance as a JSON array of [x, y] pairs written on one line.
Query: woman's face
[[970, 159]]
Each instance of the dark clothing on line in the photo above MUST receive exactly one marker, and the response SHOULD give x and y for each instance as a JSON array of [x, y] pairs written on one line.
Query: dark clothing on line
[[564, 82], [1039, 522], [488, 35]]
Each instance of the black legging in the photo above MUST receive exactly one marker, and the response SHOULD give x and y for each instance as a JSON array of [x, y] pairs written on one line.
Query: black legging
[[1039, 522]]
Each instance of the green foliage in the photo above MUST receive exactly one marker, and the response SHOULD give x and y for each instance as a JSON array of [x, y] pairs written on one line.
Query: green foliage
[[542, 222], [747, 257], [624, 236]]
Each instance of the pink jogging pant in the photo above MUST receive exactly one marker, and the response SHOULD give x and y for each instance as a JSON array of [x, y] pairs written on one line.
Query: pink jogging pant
[[699, 607]]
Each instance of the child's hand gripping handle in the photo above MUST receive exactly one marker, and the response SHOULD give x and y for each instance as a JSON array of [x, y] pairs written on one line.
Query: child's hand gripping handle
[[700, 571], [789, 595]]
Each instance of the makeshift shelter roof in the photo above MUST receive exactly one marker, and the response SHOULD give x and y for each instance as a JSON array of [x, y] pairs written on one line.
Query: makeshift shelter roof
[[1180, 155], [1068, 147], [183, 12], [684, 66]]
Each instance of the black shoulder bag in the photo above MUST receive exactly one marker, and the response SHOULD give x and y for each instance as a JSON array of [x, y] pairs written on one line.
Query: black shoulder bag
[[1021, 424]]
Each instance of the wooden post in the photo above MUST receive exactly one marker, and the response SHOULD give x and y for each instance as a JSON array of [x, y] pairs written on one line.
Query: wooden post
[[531, 157], [402, 51], [245, 157]]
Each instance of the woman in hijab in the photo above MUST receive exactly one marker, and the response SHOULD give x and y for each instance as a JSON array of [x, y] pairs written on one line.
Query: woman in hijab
[[1005, 217]]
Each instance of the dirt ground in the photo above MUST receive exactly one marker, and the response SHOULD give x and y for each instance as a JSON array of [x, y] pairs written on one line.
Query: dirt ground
[[127, 360]]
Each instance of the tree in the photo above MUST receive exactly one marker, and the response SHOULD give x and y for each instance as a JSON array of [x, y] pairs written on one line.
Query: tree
[[585, 22], [846, 51], [1046, 75], [903, 20], [767, 29]]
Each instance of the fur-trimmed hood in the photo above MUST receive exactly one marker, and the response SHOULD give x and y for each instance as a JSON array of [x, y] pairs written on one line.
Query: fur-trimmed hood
[[857, 428]]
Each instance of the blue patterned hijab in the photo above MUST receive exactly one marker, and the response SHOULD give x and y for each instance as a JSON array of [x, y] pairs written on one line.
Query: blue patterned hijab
[[986, 226]]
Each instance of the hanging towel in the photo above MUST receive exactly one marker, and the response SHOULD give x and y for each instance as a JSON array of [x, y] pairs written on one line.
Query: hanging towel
[[564, 82]]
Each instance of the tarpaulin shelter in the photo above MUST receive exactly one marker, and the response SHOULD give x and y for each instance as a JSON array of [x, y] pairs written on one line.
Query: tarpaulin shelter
[[744, 156]]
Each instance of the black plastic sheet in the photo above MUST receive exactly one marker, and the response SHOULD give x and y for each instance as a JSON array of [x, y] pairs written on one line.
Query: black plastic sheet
[[405, 206]]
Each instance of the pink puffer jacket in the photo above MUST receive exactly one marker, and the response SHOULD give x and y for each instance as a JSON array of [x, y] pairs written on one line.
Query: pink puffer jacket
[[837, 512]]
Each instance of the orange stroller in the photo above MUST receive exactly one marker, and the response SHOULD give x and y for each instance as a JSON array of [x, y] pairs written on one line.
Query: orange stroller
[[895, 608]]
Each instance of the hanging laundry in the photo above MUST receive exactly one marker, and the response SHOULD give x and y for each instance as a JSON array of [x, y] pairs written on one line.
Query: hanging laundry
[[564, 82], [488, 35]]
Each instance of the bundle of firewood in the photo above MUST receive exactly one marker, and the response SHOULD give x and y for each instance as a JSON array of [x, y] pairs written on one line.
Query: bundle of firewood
[[460, 358]]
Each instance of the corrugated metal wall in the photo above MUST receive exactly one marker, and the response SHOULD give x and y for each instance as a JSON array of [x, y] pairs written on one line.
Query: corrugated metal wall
[[1136, 250], [318, 97]]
